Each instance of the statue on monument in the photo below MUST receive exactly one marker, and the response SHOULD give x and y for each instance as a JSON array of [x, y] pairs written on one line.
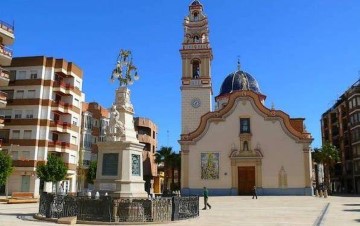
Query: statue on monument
[[115, 128]]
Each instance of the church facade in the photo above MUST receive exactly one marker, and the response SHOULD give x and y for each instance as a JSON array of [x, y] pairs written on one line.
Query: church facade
[[242, 143]]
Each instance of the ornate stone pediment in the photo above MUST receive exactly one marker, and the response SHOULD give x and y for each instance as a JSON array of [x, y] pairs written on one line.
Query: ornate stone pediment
[[256, 153]]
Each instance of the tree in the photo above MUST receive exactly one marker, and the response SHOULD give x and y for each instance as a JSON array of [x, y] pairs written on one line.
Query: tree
[[164, 156], [91, 174], [175, 163], [316, 157], [54, 170], [328, 155], [5, 167]]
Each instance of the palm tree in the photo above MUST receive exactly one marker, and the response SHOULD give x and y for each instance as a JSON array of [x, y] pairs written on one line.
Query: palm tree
[[329, 155], [316, 157], [164, 156], [175, 164]]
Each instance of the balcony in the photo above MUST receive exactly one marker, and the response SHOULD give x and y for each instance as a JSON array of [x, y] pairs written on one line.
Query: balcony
[[24, 163], [7, 33], [63, 108], [5, 56], [61, 127], [66, 88], [58, 146], [3, 97], [2, 120], [4, 77]]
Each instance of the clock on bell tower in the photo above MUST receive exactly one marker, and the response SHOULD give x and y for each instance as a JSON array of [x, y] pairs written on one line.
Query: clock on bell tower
[[196, 55]]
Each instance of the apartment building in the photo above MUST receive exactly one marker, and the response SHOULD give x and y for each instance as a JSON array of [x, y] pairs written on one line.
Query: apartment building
[[147, 134], [95, 119], [42, 117], [340, 125], [6, 38]]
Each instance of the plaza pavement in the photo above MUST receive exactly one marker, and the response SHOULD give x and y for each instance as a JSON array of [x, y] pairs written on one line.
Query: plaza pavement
[[237, 210]]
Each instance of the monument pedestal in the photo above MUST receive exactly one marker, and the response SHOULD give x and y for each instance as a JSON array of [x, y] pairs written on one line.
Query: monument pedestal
[[120, 170], [120, 165]]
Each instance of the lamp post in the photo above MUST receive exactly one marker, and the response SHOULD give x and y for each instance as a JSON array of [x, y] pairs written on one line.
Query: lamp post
[[125, 71], [6, 184]]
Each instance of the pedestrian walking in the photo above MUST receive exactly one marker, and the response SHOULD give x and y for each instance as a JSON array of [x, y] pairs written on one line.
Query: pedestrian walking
[[206, 197], [254, 192]]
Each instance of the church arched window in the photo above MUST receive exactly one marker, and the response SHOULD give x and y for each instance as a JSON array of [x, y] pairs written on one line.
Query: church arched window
[[196, 69], [196, 39], [196, 16]]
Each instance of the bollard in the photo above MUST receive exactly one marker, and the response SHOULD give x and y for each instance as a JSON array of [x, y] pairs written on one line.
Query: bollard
[[316, 193], [325, 194], [321, 194]]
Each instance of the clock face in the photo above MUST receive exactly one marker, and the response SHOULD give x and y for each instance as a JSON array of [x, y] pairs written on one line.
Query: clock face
[[195, 102]]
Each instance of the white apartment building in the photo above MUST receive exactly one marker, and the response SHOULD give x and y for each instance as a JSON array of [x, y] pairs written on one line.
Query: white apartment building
[[43, 117], [6, 39]]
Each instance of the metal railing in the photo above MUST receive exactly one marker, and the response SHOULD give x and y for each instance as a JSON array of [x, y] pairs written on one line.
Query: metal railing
[[107, 209], [6, 51], [7, 26]]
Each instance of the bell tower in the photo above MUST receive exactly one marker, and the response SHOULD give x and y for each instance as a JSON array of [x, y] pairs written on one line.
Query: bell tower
[[196, 55]]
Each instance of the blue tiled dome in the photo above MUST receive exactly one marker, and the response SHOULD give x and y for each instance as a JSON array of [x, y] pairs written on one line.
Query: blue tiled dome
[[233, 83]]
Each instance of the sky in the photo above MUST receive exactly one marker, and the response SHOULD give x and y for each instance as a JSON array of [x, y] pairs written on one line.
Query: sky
[[304, 54]]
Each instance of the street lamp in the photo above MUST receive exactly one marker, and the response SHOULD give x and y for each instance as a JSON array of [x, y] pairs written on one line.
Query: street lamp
[[125, 71], [6, 184]]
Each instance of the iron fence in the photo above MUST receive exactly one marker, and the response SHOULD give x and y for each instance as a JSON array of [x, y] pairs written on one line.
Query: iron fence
[[107, 209]]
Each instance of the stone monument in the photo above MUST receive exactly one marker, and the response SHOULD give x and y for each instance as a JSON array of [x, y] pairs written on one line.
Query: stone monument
[[119, 167]]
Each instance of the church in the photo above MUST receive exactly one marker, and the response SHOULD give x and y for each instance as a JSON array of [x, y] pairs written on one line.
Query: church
[[242, 143]]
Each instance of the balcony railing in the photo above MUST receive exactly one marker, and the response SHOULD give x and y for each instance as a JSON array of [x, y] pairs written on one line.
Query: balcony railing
[[7, 26], [65, 125], [6, 51], [4, 73], [3, 96], [67, 87], [59, 143]]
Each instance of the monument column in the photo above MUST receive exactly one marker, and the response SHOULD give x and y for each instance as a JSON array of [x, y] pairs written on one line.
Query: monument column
[[119, 167]]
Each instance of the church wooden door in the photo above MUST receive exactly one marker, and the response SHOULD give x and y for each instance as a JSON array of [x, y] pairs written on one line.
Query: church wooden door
[[246, 179]]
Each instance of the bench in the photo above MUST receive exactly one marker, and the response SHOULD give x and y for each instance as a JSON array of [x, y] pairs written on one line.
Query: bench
[[22, 197]]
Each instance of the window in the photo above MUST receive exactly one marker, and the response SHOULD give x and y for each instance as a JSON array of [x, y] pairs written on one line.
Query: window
[[75, 121], [33, 74], [29, 114], [31, 94], [196, 39], [15, 155], [27, 134], [76, 102], [350, 104], [244, 125], [16, 134], [196, 69], [21, 75], [196, 16], [77, 84], [73, 139], [25, 155], [20, 94], [72, 159], [18, 113]]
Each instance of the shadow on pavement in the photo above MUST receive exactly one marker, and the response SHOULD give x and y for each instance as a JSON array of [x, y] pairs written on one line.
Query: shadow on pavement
[[351, 204], [353, 210]]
